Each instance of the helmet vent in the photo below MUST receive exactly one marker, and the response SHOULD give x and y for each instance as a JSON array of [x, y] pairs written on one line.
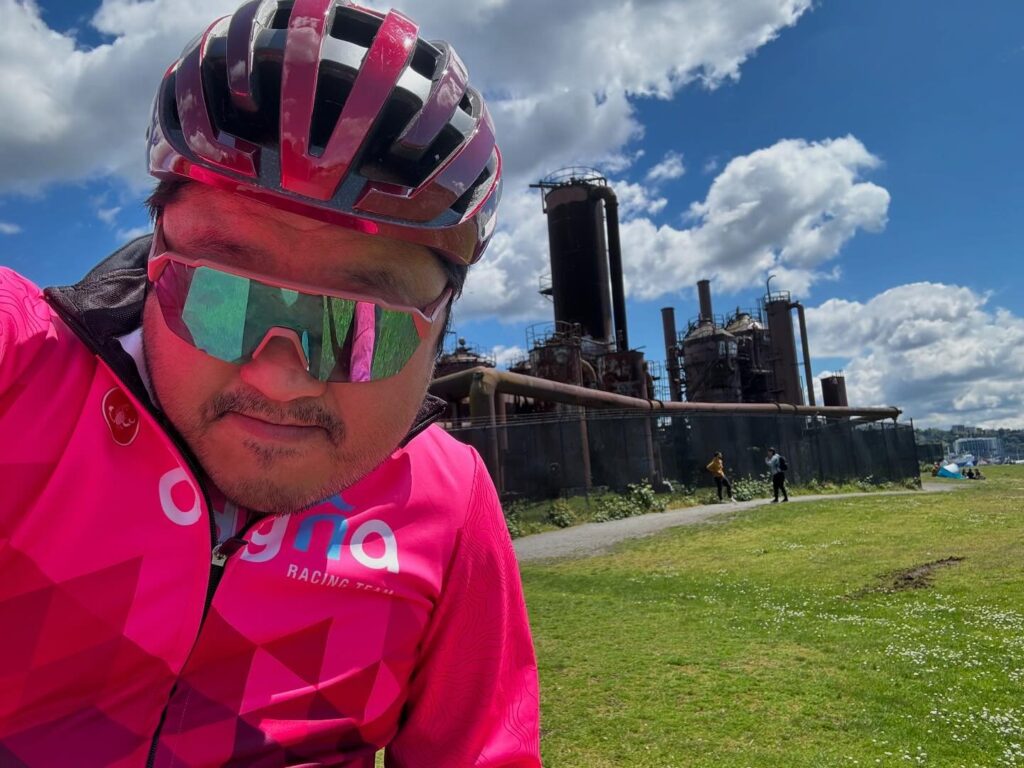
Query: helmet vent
[[472, 195], [281, 16], [169, 108], [449, 140], [424, 61], [381, 164], [354, 27], [332, 90]]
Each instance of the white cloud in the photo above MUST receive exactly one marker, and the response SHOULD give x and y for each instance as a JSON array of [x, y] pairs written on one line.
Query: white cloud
[[787, 209], [941, 352], [670, 167], [70, 113], [505, 356], [124, 235], [710, 166], [559, 76], [108, 215], [7, 228], [636, 200]]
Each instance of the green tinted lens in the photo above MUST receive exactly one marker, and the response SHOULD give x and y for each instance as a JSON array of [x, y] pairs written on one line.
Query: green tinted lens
[[228, 317], [336, 324], [397, 340], [214, 313]]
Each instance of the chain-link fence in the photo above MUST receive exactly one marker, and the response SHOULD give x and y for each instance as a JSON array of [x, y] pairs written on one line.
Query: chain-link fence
[[544, 456]]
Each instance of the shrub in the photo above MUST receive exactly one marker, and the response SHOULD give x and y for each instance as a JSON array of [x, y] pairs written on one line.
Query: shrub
[[561, 514], [512, 521], [749, 488], [867, 483], [614, 507], [642, 496]]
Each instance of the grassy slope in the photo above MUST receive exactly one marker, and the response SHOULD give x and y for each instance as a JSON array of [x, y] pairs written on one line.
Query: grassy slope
[[746, 643]]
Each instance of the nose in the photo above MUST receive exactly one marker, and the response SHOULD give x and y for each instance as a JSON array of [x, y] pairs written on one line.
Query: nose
[[278, 369]]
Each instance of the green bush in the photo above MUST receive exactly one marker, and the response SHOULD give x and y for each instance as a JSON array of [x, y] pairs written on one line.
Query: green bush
[[561, 514], [750, 488], [639, 499], [512, 519], [614, 507], [642, 496]]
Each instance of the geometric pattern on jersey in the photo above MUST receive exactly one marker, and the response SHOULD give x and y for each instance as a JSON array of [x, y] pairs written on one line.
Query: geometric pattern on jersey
[[53, 690], [215, 713]]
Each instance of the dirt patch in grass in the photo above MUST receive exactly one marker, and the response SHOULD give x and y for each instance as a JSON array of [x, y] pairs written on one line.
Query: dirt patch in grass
[[915, 577]]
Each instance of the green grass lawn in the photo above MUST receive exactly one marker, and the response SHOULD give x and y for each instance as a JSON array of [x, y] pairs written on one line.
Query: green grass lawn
[[774, 638]]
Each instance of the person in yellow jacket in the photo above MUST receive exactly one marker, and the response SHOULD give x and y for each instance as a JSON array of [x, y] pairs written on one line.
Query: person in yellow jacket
[[717, 469]]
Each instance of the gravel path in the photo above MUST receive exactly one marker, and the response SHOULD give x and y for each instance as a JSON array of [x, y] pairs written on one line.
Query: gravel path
[[594, 538]]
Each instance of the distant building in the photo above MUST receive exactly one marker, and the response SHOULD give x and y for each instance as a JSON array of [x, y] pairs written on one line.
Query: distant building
[[988, 448]]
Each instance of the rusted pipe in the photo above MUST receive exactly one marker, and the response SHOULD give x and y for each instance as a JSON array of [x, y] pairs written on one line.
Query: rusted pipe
[[668, 329], [456, 385], [807, 351], [611, 206], [704, 294], [482, 391]]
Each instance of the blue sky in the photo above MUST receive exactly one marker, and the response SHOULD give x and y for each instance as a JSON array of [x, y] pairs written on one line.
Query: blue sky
[[929, 92]]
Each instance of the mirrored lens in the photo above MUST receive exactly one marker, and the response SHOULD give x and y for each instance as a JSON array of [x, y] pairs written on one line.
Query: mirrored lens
[[228, 317]]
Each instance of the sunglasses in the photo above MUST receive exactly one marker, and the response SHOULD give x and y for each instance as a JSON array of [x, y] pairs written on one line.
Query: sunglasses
[[232, 315]]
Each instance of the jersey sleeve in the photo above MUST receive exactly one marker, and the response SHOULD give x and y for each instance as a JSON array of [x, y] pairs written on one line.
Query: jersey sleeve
[[473, 699], [26, 323]]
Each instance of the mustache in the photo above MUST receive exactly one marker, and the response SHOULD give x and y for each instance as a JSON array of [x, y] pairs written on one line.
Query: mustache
[[303, 413]]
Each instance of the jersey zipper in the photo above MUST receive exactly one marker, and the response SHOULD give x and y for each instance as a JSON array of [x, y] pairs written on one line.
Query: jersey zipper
[[219, 557]]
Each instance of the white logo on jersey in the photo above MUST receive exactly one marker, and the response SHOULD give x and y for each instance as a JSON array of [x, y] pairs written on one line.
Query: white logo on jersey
[[178, 516]]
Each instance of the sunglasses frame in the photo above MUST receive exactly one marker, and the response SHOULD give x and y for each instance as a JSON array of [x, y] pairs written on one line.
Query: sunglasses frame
[[160, 256]]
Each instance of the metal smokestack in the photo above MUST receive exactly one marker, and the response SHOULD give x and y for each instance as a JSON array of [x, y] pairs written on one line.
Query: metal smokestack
[[807, 352], [704, 291], [611, 208], [668, 326]]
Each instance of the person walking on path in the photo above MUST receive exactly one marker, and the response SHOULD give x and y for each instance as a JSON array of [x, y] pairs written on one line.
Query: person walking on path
[[717, 469], [777, 466]]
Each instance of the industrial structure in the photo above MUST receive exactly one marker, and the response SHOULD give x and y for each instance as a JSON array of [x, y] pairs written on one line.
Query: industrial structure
[[748, 357], [461, 358], [833, 390], [588, 344], [582, 409]]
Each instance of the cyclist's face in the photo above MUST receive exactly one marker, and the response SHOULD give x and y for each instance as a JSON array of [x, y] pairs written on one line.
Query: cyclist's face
[[269, 435]]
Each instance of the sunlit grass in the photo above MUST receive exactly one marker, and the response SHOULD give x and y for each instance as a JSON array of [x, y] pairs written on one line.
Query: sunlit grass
[[769, 639]]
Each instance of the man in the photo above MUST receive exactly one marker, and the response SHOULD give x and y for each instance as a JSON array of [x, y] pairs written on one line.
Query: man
[[717, 468], [228, 533], [777, 469]]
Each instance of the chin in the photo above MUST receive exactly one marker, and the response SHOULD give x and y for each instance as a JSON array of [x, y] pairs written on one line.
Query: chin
[[272, 481]]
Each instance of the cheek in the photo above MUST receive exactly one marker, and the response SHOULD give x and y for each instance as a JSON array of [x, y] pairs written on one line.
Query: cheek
[[184, 378]]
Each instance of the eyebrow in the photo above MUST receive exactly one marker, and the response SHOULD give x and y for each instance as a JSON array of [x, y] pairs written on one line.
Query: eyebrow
[[210, 240]]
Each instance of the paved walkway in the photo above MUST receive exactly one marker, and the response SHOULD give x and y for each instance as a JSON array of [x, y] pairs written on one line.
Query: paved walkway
[[594, 538]]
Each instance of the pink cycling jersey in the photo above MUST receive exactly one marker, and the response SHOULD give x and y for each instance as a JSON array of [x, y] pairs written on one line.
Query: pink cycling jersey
[[390, 616]]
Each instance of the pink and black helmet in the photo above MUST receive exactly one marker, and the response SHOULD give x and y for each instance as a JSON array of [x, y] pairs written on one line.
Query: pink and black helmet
[[336, 112]]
